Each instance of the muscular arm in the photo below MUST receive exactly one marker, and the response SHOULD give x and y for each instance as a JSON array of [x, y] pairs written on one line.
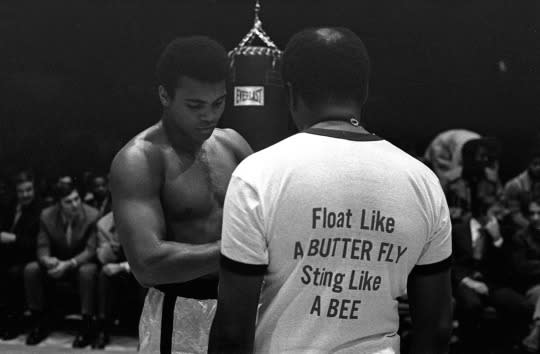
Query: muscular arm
[[430, 298], [135, 186], [238, 144], [233, 329]]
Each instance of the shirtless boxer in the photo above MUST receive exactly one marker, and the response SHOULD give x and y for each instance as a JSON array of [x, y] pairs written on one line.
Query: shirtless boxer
[[168, 186]]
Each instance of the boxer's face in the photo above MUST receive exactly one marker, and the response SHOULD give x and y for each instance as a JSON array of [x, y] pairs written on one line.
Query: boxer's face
[[196, 107], [25, 193]]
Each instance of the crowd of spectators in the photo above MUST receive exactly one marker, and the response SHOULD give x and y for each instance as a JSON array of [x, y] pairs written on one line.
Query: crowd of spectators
[[60, 245], [59, 242], [495, 239]]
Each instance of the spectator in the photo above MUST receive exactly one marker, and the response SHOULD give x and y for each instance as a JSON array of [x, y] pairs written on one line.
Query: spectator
[[65, 180], [66, 248], [114, 278], [526, 260], [523, 188], [47, 193], [443, 154], [17, 247], [480, 162], [86, 181], [99, 196], [481, 275]]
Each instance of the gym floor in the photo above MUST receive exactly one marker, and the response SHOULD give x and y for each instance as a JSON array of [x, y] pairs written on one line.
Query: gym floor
[[60, 342], [61, 339]]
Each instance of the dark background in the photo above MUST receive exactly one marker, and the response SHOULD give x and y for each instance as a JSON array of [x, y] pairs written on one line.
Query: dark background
[[77, 77]]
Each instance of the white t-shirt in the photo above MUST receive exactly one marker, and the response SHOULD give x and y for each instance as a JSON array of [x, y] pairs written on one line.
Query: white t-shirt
[[340, 221]]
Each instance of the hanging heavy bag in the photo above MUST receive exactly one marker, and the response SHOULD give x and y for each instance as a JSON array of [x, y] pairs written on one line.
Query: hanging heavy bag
[[256, 102]]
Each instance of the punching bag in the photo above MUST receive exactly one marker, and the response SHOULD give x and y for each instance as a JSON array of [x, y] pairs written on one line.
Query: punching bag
[[256, 103]]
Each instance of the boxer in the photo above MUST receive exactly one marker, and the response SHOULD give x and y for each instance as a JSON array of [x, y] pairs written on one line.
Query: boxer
[[168, 186]]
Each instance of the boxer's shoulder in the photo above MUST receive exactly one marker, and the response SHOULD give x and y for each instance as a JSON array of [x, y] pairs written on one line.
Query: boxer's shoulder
[[138, 155], [231, 140], [141, 157]]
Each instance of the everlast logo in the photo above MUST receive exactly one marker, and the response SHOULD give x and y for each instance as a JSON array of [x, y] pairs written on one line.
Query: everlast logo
[[249, 96]]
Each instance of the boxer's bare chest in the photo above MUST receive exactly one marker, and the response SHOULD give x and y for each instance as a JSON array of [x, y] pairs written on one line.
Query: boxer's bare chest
[[193, 192]]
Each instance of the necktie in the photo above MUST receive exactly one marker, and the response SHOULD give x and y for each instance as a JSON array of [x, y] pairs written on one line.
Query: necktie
[[69, 233], [18, 214], [479, 245]]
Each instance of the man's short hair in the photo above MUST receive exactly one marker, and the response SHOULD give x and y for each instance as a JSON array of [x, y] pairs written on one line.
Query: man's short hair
[[327, 64], [472, 169], [62, 190], [525, 203], [535, 200], [102, 176], [23, 176], [197, 57]]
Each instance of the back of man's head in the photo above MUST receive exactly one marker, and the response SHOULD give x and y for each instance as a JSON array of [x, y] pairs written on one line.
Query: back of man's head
[[197, 57], [327, 64]]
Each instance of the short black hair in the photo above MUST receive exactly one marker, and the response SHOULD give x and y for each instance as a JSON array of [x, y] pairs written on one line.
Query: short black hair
[[525, 203], [103, 176], [472, 169], [62, 190], [535, 200], [23, 176], [327, 64], [198, 57]]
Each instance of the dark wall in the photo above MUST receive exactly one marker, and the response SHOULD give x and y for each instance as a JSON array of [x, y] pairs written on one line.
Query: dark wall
[[76, 77]]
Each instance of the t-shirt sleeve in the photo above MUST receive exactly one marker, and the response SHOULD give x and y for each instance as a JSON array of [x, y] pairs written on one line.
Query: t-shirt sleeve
[[243, 238], [438, 247]]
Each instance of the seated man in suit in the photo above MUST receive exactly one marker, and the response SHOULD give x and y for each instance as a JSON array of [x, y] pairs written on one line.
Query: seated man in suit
[[481, 274], [18, 232], [524, 187], [480, 161], [66, 248], [526, 262], [114, 278], [99, 196]]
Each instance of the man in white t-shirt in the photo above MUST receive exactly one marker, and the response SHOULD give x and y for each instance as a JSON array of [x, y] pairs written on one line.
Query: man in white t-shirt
[[323, 231]]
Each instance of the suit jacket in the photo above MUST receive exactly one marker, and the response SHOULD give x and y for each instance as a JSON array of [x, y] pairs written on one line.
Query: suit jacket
[[494, 264], [52, 239], [109, 249], [23, 250], [103, 208], [525, 256]]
